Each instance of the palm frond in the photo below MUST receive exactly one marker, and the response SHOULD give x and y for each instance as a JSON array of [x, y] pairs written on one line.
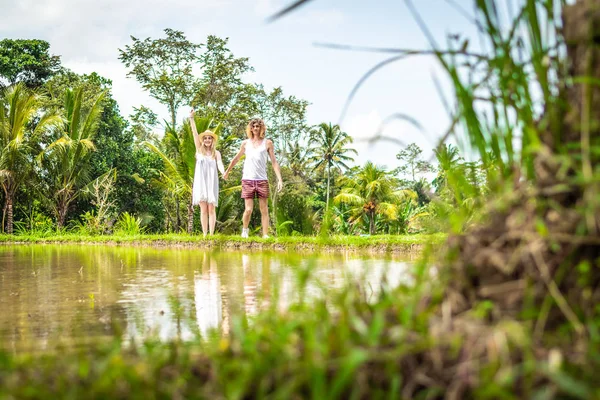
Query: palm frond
[[349, 198], [93, 117], [48, 122], [389, 210], [73, 101], [181, 183]]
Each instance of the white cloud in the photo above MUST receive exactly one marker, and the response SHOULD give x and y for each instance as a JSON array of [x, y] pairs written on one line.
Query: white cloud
[[395, 135], [265, 8], [363, 127], [321, 17], [303, 15], [96, 29], [88, 33], [126, 91]]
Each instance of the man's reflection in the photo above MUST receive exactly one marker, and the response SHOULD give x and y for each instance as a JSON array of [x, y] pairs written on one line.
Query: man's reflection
[[242, 287], [250, 287]]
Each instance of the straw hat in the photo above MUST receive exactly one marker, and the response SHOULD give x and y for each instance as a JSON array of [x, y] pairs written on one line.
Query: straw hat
[[208, 133]]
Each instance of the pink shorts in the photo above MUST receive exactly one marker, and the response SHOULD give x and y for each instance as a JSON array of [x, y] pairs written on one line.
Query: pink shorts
[[253, 189]]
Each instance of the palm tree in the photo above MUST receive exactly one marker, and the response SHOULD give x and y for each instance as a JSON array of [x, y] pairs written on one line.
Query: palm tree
[[371, 192], [448, 159], [18, 109], [67, 158], [458, 178], [297, 159], [179, 158], [329, 149], [408, 214]]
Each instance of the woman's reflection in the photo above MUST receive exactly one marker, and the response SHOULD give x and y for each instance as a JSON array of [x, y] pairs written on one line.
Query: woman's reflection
[[207, 293]]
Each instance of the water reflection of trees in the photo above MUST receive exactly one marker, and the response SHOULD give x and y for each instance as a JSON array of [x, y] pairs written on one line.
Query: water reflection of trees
[[49, 292]]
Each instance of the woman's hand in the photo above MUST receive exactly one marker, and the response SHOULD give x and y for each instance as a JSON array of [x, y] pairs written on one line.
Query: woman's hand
[[192, 113]]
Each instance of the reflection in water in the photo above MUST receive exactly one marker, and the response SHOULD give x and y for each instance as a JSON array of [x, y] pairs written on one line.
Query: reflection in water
[[58, 293], [207, 296], [250, 287]]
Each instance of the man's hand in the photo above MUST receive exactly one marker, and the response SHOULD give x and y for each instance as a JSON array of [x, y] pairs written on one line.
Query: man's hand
[[279, 185]]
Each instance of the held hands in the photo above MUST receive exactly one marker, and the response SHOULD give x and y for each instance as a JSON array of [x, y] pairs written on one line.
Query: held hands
[[279, 185], [192, 113], [226, 175]]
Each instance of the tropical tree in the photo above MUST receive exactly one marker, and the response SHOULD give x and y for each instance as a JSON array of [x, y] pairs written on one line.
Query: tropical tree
[[164, 68], [341, 219], [143, 121], [448, 159], [412, 162], [298, 160], [67, 158], [19, 108], [27, 61], [116, 146], [285, 115], [330, 150], [292, 205], [408, 213], [178, 154], [220, 87], [458, 180], [372, 192]]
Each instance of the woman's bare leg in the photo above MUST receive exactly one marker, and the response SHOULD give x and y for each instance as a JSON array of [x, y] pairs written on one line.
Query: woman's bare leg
[[204, 216], [212, 218]]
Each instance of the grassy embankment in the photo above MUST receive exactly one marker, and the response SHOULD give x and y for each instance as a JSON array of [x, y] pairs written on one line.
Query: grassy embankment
[[378, 243]]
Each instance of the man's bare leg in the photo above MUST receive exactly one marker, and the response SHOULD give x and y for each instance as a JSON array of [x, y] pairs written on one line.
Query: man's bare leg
[[249, 206], [264, 215]]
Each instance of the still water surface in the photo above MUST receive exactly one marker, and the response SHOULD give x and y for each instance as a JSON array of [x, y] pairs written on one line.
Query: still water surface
[[53, 294]]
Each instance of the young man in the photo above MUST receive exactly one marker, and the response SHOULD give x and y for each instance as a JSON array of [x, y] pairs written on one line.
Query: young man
[[254, 177]]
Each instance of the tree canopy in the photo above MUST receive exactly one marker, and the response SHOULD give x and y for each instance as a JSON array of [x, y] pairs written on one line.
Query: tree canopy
[[28, 61]]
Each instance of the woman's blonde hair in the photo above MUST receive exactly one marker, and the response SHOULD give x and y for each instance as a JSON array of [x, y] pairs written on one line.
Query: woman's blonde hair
[[212, 150], [263, 127]]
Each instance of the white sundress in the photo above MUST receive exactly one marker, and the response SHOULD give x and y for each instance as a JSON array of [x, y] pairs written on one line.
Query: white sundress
[[206, 180]]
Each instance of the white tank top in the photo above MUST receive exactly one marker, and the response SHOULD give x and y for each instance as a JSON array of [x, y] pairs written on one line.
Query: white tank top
[[255, 165]]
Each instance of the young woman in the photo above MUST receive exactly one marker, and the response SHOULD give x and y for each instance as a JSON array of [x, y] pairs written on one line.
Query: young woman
[[205, 191], [254, 177]]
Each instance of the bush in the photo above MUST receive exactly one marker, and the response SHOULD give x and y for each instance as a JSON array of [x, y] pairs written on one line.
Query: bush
[[35, 224], [129, 224]]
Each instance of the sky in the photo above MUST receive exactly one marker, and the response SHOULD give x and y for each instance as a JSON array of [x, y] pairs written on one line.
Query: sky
[[88, 33]]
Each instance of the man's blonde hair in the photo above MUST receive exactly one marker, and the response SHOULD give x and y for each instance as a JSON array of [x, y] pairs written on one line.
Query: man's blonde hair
[[263, 127]]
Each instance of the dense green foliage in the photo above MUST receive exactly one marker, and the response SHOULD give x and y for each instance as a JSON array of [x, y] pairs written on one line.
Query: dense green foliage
[[26, 61], [74, 129]]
